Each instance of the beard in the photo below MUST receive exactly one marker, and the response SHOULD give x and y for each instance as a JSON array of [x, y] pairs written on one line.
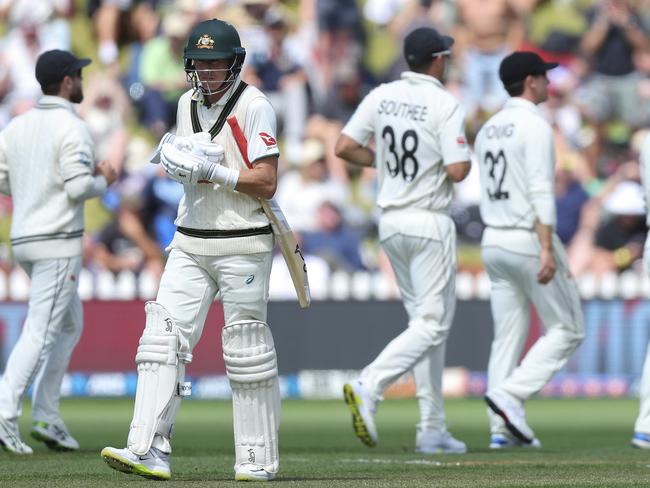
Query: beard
[[77, 95]]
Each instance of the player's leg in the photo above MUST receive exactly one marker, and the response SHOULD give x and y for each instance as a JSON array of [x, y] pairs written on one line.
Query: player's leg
[[424, 269], [251, 363], [48, 425], [511, 316], [432, 435], [51, 279], [558, 306], [174, 323], [429, 327], [641, 436]]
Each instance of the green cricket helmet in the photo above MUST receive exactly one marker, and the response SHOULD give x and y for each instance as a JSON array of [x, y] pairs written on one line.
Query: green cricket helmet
[[213, 39]]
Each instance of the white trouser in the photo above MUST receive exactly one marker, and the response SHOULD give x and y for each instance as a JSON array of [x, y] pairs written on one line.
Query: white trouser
[[190, 283], [642, 423], [51, 330], [511, 259], [425, 269]]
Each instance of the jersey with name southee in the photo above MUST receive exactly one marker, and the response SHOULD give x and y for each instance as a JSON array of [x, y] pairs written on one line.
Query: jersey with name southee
[[419, 129], [515, 154]]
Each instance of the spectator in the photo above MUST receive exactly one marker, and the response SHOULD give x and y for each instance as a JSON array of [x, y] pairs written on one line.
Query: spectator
[[280, 75], [119, 22], [106, 110], [124, 243], [570, 198], [306, 186], [487, 31], [333, 241], [614, 209], [620, 237], [337, 107], [614, 36], [163, 74], [159, 206], [48, 17]]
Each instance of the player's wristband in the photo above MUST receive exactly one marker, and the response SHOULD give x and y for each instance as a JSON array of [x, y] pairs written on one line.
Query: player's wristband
[[227, 177]]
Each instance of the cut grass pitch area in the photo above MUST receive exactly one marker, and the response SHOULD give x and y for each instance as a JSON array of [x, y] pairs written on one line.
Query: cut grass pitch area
[[586, 443]]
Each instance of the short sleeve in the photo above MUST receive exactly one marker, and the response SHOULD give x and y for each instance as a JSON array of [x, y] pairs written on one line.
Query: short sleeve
[[260, 130], [453, 142], [361, 126], [76, 155]]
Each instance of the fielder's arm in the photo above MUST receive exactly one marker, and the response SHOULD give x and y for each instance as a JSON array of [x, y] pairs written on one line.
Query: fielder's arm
[[353, 152]]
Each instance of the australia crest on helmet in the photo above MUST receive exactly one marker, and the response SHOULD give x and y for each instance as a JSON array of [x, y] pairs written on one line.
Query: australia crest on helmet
[[205, 42]]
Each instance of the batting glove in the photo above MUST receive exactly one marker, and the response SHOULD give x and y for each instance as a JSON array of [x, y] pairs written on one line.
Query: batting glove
[[188, 163], [154, 157]]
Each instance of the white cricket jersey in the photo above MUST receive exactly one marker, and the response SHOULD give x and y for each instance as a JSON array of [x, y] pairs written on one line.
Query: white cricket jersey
[[419, 129], [644, 159], [215, 207], [40, 151], [515, 154]]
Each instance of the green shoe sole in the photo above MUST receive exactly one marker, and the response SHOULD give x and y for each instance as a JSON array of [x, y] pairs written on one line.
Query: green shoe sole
[[125, 466], [55, 446], [359, 426]]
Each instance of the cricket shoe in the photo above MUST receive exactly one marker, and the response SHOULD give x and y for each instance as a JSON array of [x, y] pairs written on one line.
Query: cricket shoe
[[10, 439], [641, 440], [154, 464], [506, 441], [437, 442], [363, 409], [55, 436], [252, 472], [512, 413]]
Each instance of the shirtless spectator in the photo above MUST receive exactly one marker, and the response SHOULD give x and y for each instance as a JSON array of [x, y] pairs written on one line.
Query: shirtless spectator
[[487, 31]]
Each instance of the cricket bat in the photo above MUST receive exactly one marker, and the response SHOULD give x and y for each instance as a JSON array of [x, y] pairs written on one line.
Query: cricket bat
[[283, 234]]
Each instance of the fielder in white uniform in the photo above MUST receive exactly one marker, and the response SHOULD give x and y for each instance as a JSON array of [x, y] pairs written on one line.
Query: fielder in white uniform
[[521, 253], [48, 168], [223, 245], [641, 437], [420, 152]]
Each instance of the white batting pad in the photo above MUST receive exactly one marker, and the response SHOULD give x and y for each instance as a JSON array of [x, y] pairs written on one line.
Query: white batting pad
[[251, 365], [161, 369]]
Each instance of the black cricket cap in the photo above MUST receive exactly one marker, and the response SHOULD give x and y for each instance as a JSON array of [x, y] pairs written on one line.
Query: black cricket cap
[[53, 66], [421, 45], [516, 66]]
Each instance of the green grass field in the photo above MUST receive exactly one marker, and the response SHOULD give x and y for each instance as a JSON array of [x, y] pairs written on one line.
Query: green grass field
[[586, 443]]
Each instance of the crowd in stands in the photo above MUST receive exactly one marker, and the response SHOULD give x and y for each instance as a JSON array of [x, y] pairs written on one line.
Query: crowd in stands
[[316, 59]]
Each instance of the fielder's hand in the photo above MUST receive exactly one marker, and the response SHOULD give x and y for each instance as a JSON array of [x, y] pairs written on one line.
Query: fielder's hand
[[547, 266], [107, 171]]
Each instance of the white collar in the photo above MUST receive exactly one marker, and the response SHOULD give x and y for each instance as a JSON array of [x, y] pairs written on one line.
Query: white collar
[[52, 101], [421, 78], [518, 102]]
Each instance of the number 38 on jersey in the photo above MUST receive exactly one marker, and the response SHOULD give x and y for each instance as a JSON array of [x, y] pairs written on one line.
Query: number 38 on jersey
[[401, 150]]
